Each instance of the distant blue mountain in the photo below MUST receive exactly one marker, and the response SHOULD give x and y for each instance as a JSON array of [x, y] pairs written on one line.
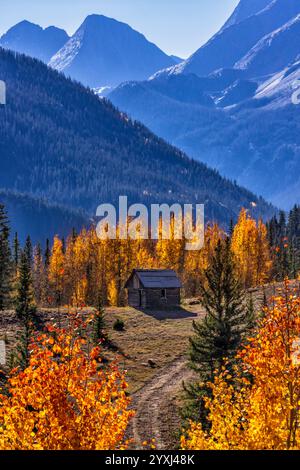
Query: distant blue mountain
[[245, 9], [232, 43], [32, 40], [104, 52], [176, 59], [274, 51], [230, 104]]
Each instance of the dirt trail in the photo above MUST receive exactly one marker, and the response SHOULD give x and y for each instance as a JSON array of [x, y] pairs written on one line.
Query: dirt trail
[[156, 410]]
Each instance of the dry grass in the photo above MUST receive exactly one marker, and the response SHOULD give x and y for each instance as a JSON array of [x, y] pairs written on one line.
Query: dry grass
[[156, 336]]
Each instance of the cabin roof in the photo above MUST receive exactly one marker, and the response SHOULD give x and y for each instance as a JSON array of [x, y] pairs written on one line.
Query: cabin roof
[[156, 278]]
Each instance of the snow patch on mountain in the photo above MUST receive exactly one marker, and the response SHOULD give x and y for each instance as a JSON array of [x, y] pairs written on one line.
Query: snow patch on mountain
[[65, 56], [278, 90], [268, 41]]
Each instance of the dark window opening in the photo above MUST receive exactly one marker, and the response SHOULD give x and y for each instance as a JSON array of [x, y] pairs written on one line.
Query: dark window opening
[[164, 294]]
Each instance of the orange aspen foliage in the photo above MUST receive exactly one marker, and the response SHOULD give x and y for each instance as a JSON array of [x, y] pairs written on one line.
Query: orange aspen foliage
[[64, 399], [57, 269], [251, 249], [262, 413], [196, 262], [112, 293]]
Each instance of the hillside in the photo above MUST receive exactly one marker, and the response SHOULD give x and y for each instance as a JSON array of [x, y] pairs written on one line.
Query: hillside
[[38, 218], [60, 142]]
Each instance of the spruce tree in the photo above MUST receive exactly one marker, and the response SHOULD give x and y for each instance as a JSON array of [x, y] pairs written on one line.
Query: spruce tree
[[16, 253], [98, 327], [5, 261], [38, 274], [28, 251], [20, 356], [47, 254], [25, 305], [219, 335]]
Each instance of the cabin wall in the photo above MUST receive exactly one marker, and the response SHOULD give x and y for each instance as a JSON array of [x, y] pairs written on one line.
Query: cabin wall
[[152, 298], [136, 298]]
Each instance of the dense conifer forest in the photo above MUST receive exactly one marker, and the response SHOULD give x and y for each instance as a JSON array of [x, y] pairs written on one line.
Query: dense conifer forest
[[59, 142]]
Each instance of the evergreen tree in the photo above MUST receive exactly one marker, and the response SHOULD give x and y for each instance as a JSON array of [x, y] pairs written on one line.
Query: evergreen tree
[[98, 333], [265, 300], [25, 305], [231, 228], [220, 334], [29, 251], [38, 274], [16, 253], [47, 254], [5, 261], [20, 356], [250, 311]]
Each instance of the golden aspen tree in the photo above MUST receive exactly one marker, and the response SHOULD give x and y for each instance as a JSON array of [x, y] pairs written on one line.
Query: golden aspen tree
[[81, 257], [263, 255], [250, 247], [56, 270], [112, 293], [196, 262], [63, 400], [258, 406]]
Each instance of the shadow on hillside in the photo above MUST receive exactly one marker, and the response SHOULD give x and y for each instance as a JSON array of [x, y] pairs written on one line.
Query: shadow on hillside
[[175, 313]]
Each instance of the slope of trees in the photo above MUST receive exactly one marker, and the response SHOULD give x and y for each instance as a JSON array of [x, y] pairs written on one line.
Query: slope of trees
[[5, 261], [36, 216], [284, 240], [60, 142]]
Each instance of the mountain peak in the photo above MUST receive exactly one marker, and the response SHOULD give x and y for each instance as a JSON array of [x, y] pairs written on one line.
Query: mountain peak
[[105, 52], [31, 39]]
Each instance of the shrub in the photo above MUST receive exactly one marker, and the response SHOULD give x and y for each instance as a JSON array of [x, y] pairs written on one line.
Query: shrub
[[119, 325]]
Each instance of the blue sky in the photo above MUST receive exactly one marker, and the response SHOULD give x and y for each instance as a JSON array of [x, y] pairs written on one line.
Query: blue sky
[[177, 26]]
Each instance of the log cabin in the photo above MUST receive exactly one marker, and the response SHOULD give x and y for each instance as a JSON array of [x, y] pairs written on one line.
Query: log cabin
[[153, 288]]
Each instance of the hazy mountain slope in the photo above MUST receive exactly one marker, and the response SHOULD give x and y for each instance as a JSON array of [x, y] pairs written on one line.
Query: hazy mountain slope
[[105, 52], [273, 52], [281, 89], [62, 143], [245, 9], [232, 43], [251, 131], [32, 40], [256, 143], [28, 215]]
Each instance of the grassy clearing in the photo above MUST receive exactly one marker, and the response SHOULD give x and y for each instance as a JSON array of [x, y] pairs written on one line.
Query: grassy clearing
[[159, 337]]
